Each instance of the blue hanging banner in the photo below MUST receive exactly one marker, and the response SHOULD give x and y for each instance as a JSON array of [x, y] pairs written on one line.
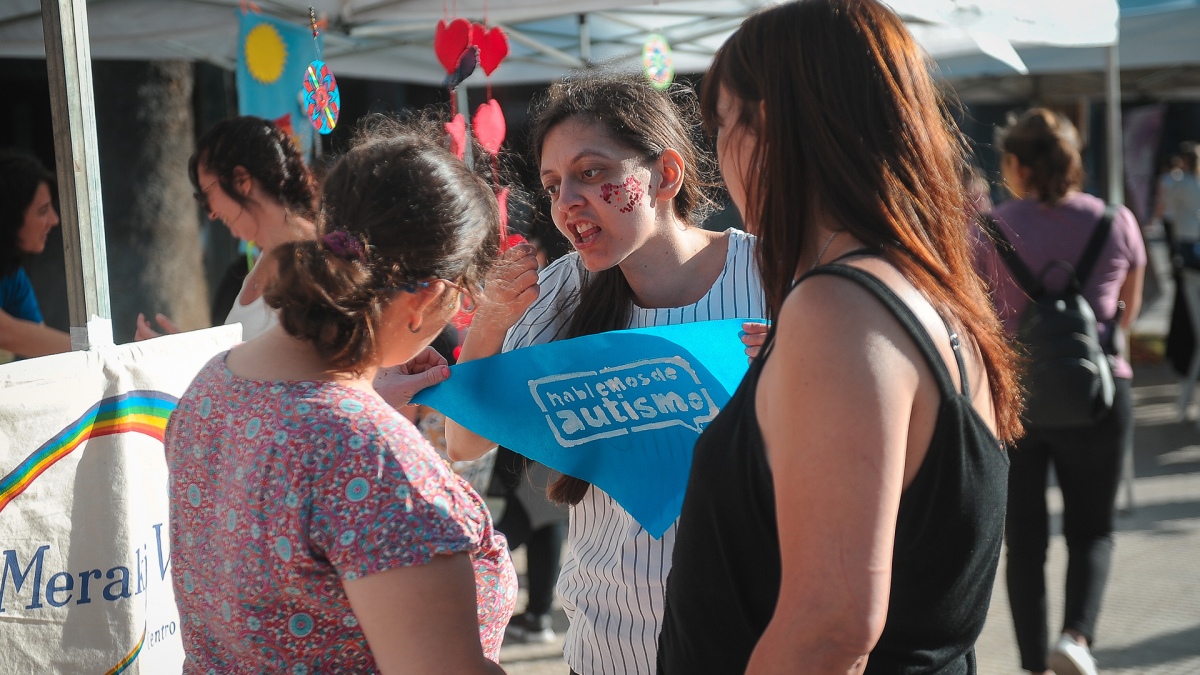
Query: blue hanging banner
[[273, 56], [621, 410]]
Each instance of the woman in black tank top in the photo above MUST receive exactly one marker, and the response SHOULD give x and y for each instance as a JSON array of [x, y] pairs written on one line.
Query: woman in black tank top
[[845, 510]]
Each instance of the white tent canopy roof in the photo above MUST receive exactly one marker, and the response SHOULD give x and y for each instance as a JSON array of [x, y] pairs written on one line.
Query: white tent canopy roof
[[392, 39]]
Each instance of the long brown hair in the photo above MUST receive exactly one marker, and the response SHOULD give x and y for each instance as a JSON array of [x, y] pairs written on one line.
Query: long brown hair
[[854, 130], [648, 121]]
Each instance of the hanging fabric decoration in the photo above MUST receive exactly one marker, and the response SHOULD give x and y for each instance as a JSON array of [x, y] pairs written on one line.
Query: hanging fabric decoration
[[493, 46], [657, 62], [450, 40], [456, 129], [272, 57], [461, 46], [489, 126], [322, 100]]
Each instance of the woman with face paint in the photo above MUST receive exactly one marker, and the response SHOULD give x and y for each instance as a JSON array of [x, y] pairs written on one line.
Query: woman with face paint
[[624, 185], [26, 217], [845, 510], [249, 175]]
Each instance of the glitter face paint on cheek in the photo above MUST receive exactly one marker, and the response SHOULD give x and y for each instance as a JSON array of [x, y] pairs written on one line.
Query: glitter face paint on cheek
[[625, 196]]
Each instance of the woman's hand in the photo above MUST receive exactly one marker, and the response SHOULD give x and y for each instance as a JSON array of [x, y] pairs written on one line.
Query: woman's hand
[[509, 289], [398, 384], [754, 334], [145, 332]]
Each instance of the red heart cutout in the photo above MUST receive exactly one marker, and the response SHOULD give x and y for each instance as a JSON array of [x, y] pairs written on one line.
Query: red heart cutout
[[457, 130], [478, 32], [493, 46], [450, 41], [489, 126]]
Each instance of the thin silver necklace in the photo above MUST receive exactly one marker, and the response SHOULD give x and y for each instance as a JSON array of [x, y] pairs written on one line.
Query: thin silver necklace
[[824, 249]]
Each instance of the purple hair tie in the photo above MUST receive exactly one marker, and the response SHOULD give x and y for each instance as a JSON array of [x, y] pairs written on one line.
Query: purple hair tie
[[344, 245]]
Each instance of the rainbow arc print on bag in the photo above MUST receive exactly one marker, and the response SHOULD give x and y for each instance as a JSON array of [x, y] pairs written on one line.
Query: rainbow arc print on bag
[[85, 557]]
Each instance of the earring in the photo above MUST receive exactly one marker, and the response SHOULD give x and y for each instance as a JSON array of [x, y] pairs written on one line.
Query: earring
[[414, 330]]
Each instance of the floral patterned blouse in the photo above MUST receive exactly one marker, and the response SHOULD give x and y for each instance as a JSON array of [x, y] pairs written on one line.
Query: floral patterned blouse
[[280, 491]]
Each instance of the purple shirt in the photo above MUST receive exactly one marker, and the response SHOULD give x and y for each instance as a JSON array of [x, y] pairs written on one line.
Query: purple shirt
[[1041, 234]]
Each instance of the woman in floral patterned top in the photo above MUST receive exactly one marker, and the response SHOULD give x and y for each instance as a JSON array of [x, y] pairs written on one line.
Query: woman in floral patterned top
[[313, 529]]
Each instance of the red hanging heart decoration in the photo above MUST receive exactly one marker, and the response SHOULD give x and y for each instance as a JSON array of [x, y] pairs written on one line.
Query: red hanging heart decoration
[[493, 46], [450, 41], [506, 241], [478, 31], [456, 128], [489, 126]]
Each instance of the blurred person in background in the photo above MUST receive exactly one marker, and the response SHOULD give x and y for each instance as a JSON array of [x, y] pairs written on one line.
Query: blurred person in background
[[1050, 219], [26, 217], [249, 175]]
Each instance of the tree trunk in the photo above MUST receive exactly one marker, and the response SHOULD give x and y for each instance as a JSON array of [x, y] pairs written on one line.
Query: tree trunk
[[146, 134]]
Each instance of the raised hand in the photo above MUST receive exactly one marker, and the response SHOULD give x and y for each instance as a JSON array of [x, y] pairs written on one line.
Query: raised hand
[[398, 384], [754, 334], [145, 332], [509, 289]]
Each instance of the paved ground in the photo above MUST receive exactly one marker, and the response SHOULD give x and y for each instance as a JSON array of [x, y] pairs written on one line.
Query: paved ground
[[1150, 621]]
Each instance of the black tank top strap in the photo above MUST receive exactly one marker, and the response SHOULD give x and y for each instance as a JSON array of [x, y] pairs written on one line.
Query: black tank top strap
[[956, 345], [906, 318], [769, 341]]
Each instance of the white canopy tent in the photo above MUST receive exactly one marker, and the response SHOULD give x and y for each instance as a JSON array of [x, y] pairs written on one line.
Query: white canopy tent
[[392, 40]]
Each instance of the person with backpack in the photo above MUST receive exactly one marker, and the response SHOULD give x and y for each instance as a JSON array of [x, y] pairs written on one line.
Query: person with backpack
[[1067, 271]]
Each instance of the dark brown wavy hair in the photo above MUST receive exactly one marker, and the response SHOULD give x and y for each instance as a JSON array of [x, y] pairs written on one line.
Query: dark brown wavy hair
[[414, 210], [20, 176], [266, 153], [854, 130], [647, 121], [1046, 143]]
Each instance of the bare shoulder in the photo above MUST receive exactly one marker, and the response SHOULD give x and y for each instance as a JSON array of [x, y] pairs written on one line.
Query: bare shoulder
[[836, 306]]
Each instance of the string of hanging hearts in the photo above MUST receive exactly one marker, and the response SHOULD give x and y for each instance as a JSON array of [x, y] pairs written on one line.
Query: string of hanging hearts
[[461, 46]]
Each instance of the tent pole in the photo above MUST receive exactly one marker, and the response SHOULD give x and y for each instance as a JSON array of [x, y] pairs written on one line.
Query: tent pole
[[69, 65], [585, 41], [1114, 143], [463, 104]]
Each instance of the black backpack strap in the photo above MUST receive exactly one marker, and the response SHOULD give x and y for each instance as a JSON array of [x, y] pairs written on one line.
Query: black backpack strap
[[1017, 267], [1092, 252]]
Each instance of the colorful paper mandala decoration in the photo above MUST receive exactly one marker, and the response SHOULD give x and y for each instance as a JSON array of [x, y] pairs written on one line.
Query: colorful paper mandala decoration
[[657, 62], [322, 100]]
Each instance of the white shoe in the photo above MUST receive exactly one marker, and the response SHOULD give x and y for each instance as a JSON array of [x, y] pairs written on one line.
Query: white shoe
[[1071, 658]]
